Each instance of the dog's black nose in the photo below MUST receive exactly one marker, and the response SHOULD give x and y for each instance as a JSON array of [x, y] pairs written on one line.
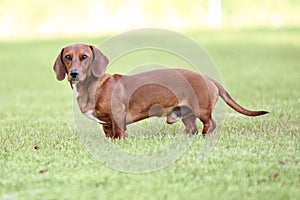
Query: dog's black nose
[[74, 73]]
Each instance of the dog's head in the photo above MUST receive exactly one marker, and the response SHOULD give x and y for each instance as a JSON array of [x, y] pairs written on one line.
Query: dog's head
[[79, 62]]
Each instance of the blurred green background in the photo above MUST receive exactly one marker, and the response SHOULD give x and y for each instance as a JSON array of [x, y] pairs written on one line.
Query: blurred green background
[[35, 18]]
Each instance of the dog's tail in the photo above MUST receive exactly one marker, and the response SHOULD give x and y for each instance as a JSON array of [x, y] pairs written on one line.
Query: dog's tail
[[233, 104]]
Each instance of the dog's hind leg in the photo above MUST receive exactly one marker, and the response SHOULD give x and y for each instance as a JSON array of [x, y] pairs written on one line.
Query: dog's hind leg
[[209, 126], [190, 124]]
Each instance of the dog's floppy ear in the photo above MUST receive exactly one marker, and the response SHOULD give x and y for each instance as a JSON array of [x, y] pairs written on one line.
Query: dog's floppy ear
[[100, 62], [59, 67]]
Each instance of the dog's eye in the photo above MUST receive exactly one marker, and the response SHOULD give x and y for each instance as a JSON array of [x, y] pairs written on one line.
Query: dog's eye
[[84, 57], [68, 58]]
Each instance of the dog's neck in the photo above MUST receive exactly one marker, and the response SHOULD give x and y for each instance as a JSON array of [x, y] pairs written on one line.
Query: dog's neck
[[85, 92]]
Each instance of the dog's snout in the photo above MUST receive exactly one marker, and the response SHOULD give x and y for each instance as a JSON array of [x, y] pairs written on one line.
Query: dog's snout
[[74, 73]]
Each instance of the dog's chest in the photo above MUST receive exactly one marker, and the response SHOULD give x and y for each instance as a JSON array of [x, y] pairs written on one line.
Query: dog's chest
[[76, 94], [89, 113]]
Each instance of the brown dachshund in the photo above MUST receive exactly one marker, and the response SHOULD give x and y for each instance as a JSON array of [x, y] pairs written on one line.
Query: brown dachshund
[[117, 100]]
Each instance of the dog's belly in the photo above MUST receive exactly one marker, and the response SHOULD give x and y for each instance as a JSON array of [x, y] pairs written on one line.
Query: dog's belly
[[157, 101], [154, 111]]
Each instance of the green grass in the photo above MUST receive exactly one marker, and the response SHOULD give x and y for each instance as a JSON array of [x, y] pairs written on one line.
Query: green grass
[[255, 158]]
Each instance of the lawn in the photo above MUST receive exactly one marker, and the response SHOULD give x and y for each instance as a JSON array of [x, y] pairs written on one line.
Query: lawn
[[42, 157]]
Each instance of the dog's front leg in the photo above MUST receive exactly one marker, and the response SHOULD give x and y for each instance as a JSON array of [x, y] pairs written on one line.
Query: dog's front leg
[[119, 129], [119, 122], [108, 131], [118, 113], [114, 131]]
